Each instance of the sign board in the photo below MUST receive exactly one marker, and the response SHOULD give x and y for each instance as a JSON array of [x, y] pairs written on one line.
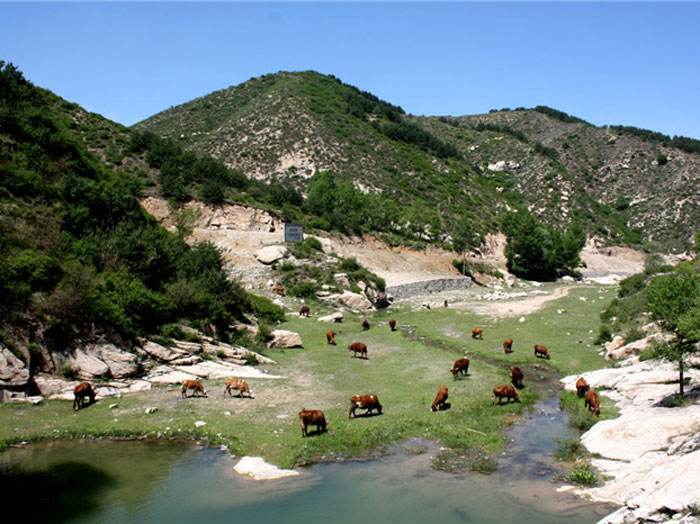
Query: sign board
[[293, 233]]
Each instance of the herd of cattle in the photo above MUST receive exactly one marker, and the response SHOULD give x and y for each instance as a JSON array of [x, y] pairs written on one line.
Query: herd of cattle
[[84, 392]]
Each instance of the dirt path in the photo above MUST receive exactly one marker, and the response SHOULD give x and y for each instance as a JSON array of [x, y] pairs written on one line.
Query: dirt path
[[515, 307]]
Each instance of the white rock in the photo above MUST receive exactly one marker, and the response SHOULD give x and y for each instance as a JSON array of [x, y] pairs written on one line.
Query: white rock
[[333, 317], [342, 279], [86, 364], [615, 343], [521, 319], [285, 339], [271, 254], [635, 347], [354, 300], [49, 385], [257, 469], [199, 424], [121, 364], [151, 409], [13, 372], [162, 353]]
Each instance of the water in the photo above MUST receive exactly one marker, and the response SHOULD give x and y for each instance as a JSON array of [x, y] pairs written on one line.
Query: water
[[124, 482]]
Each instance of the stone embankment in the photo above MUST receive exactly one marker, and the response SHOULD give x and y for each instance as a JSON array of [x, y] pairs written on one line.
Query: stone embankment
[[650, 455], [428, 287]]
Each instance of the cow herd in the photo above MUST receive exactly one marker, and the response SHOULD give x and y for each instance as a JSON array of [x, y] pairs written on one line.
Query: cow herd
[[370, 404]]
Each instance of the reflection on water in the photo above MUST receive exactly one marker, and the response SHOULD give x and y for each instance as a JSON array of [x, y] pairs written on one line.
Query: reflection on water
[[119, 482]]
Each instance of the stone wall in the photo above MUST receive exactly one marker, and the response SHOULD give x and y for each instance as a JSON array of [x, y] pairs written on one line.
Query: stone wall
[[428, 287]]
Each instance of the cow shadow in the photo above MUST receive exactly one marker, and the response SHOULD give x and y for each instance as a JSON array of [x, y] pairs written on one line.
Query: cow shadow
[[368, 414], [444, 407]]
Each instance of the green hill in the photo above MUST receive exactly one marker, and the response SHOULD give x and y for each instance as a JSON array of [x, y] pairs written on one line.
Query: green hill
[[441, 171]]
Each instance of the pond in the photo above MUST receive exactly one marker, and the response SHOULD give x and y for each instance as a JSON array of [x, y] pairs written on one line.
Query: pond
[[118, 482]]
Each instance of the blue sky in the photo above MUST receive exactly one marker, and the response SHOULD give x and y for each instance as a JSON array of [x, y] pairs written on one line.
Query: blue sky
[[627, 63]]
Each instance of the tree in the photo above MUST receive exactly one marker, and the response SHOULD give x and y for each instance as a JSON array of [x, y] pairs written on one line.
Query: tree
[[674, 301]]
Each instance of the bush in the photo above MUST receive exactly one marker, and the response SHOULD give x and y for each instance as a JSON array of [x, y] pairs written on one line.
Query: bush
[[631, 285], [303, 289], [265, 309], [583, 475]]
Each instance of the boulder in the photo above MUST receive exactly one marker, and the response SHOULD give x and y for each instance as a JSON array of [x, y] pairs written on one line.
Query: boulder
[[162, 353], [342, 279], [271, 254], [332, 318], [87, 365], [13, 372], [121, 364], [49, 385], [354, 300], [635, 347], [615, 343], [285, 339], [257, 469]]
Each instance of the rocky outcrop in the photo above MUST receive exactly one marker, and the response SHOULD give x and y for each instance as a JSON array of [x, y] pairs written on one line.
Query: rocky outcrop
[[271, 254], [650, 455], [121, 364], [13, 372], [332, 318], [353, 300], [285, 339], [635, 347], [86, 364]]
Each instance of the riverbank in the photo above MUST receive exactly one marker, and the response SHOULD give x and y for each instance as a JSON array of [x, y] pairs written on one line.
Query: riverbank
[[649, 456]]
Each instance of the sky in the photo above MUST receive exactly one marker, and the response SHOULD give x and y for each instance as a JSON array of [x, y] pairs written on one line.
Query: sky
[[609, 63]]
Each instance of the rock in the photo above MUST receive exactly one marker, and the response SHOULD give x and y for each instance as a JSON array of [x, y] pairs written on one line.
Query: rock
[[271, 254], [342, 279], [333, 317], [615, 343], [113, 406], [138, 385], [567, 278], [162, 353], [167, 375], [503, 165], [634, 348], [85, 363], [13, 372], [49, 385], [383, 301], [151, 409], [121, 364], [257, 469], [521, 319], [199, 424], [354, 300], [285, 339], [20, 398], [103, 392]]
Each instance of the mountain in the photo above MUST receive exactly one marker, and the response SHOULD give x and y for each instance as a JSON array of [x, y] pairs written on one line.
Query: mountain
[[622, 184]]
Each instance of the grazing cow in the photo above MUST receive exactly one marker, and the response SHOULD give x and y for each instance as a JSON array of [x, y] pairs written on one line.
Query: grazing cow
[[366, 402], [392, 324], [541, 351], [477, 333], [237, 384], [592, 402], [508, 345], [445, 303], [582, 387], [196, 386], [365, 324], [505, 391], [330, 337], [278, 289], [312, 417], [304, 311], [460, 366], [516, 377], [81, 393], [440, 401], [358, 347]]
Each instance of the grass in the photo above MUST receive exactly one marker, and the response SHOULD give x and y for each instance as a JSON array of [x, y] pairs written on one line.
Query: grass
[[583, 474], [579, 417], [404, 371]]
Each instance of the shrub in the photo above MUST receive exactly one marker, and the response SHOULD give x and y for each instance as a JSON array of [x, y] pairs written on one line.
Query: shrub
[[570, 449], [265, 309], [303, 289], [583, 475]]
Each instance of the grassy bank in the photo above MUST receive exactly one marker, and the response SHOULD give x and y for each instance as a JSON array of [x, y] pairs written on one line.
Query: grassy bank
[[404, 369]]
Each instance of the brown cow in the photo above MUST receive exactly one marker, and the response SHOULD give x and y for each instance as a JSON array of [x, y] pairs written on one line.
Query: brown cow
[[365, 324], [582, 387], [312, 417], [592, 402], [508, 345], [460, 366], [477, 333], [330, 337], [392, 324], [445, 303], [516, 377], [81, 392], [366, 402], [358, 347], [440, 401], [237, 384], [304, 311], [541, 351], [505, 391], [196, 386]]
